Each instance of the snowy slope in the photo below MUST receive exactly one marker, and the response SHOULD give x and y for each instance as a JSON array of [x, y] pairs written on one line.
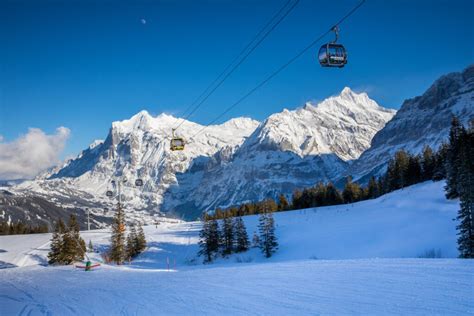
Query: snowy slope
[[297, 280], [289, 150], [404, 223], [355, 287], [423, 120]]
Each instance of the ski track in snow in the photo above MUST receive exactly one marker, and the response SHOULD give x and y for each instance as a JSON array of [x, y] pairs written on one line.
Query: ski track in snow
[[373, 268]]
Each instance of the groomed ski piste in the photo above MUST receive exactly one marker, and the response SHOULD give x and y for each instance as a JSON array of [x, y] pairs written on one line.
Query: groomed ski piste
[[368, 258]]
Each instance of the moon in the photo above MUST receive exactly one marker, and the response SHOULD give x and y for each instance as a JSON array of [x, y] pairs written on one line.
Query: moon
[[143, 21]]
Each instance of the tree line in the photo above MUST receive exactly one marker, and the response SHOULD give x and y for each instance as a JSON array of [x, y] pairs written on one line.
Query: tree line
[[404, 169], [232, 237], [19, 228]]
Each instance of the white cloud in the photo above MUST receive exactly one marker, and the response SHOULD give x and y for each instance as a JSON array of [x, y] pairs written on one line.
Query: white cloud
[[31, 153]]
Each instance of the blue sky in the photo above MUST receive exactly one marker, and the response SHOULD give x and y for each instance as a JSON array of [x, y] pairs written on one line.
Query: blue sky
[[84, 64]]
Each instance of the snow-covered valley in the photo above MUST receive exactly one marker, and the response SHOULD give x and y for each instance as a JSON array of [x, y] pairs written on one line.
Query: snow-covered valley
[[371, 257]]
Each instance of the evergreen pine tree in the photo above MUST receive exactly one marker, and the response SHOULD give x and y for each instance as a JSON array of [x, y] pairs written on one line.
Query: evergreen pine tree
[[91, 246], [333, 196], [413, 171], [428, 163], [391, 178], [372, 188], [140, 240], [55, 253], [209, 240], [439, 171], [283, 204], [453, 158], [268, 241], [296, 200], [131, 246], [402, 160], [255, 240], [227, 236], [352, 191], [242, 239], [73, 246], [204, 240], [465, 185], [319, 198], [117, 248]]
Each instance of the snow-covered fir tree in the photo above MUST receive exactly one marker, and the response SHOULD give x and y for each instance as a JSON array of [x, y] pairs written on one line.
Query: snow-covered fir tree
[[241, 236], [268, 240]]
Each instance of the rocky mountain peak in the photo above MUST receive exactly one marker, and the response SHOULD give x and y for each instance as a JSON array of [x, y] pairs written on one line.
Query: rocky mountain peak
[[342, 124]]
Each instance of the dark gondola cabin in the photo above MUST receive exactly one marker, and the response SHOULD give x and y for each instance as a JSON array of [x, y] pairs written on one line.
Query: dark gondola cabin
[[332, 55]]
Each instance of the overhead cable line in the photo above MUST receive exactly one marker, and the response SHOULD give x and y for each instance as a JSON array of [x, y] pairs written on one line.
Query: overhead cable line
[[236, 58], [208, 93], [289, 62]]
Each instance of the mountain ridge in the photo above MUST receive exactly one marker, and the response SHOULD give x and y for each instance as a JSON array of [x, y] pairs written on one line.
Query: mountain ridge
[[138, 147]]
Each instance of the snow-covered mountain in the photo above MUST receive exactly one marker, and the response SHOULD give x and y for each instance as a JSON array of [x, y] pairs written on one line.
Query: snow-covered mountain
[[342, 125], [134, 148], [423, 120], [289, 150], [232, 162]]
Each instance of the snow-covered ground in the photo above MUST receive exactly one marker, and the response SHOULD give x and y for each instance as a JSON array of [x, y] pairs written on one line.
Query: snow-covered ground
[[349, 259], [306, 287]]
